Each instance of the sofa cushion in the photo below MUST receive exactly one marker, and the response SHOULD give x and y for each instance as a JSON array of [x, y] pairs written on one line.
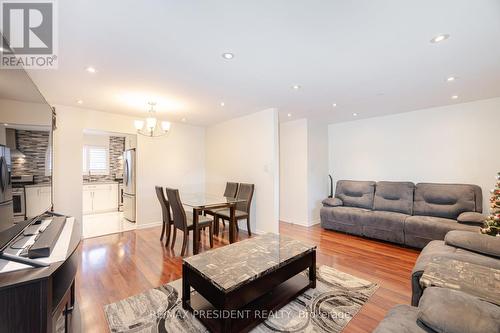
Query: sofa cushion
[[438, 248], [388, 226], [419, 230], [475, 242], [356, 193], [345, 219], [394, 197], [332, 202], [453, 311], [471, 218], [401, 319], [349, 215], [444, 200]]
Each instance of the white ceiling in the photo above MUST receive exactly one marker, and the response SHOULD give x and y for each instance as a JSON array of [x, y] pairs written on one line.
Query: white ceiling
[[369, 57]]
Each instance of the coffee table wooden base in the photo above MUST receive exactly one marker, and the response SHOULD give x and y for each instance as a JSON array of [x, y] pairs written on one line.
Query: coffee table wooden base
[[245, 307], [251, 314]]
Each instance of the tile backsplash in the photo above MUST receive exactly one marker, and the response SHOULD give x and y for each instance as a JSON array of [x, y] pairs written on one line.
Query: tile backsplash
[[116, 149], [34, 145]]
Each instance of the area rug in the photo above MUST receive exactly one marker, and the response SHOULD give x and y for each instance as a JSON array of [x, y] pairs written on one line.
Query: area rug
[[329, 307]]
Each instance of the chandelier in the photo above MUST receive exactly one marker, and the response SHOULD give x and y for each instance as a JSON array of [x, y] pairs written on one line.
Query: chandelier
[[151, 126]]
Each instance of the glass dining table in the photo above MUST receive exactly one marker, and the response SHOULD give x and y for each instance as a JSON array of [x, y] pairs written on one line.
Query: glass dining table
[[203, 201]]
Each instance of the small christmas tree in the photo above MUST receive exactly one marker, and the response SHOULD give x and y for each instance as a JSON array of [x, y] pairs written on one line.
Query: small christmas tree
[[492, 223]]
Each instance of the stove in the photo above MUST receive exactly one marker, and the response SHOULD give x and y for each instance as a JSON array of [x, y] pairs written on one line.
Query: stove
[[18, 195]]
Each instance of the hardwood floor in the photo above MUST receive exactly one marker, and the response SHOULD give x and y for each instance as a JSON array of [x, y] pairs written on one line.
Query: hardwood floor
[[117, 266]]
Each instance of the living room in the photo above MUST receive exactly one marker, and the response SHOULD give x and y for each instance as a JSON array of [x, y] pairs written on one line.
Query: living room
[[284, 166]]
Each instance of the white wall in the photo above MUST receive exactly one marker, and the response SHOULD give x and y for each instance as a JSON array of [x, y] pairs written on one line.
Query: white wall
[[22, 113], [303, 170], [245, 150], [177, 158], [451, 144], [294, 172], [317, 170]]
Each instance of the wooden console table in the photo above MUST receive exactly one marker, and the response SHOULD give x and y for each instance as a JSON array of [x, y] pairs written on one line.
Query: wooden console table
[[42, 299]]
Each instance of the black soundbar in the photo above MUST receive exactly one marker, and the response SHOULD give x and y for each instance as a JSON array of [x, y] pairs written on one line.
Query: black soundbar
[[47, 239]]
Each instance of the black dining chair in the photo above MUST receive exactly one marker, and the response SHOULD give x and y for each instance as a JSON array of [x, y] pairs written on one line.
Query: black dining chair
[[242, 212], [184, 221], [229, 192], [165, 213]]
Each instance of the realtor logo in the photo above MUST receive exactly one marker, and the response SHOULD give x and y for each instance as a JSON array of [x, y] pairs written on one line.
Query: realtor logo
[[29, 30]]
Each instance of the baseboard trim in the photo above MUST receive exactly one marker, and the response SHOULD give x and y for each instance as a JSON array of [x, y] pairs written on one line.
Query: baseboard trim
[[149, 225], [314, 222]]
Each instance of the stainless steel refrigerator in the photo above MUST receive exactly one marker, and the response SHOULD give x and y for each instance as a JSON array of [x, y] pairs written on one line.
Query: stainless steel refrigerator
[[6, 203], [129, 185]]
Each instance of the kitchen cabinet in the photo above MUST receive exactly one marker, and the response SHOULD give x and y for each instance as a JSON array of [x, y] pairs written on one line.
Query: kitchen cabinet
[[100, 198], [38, 199]]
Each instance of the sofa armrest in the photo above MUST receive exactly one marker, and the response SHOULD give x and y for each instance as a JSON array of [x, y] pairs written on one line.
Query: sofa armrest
[[332, 202], [472, 218], [472, 241], [453, 311]]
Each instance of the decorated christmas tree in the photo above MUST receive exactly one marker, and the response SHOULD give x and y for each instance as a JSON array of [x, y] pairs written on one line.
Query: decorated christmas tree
[[492, 223]]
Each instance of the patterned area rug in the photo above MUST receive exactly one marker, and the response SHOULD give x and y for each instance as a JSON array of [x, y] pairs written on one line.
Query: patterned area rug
[[328, 308]]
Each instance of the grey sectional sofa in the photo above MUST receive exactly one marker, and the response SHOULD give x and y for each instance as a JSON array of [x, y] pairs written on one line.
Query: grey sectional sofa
[[474, 248], [441, 309], [402, 212]]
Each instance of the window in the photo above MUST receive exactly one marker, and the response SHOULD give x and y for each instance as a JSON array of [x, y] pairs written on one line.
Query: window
[[95, 160]]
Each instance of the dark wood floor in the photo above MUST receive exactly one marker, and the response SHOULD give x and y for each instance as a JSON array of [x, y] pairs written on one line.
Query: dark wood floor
[[117, 266]]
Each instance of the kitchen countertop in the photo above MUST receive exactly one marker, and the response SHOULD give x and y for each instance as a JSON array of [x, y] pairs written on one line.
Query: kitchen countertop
[[39, 185], [101, 182]]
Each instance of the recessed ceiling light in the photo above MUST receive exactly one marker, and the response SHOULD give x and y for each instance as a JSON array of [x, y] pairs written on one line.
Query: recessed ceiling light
[[296, 87], [91, 69], [440, 38], [79, 101], [289, 115], [183, 120], [355, 114], [222, 104], [227, 55], [451, 79], [6, 124], [454, 97]]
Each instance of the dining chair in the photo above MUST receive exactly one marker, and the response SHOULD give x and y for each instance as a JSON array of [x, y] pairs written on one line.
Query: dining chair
[[165, 213], [229, 192], [242, 212], [184, 221]]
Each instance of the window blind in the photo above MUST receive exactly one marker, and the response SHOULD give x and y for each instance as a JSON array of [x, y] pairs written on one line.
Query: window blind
[[95, 160]]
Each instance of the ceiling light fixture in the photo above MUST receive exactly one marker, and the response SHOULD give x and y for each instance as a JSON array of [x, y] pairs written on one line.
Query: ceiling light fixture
[[355, 114], [151, 126], [79, 101], [296, 87], [439, 38], [183, 120], [289, 115], [334, 105], [222, 104], [6, 124], [451, 79], [454, 97], [91, 69], [227, 55]]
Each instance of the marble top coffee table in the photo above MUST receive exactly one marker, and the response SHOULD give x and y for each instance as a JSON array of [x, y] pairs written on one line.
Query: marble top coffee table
[[476, 280], [238, 284]]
